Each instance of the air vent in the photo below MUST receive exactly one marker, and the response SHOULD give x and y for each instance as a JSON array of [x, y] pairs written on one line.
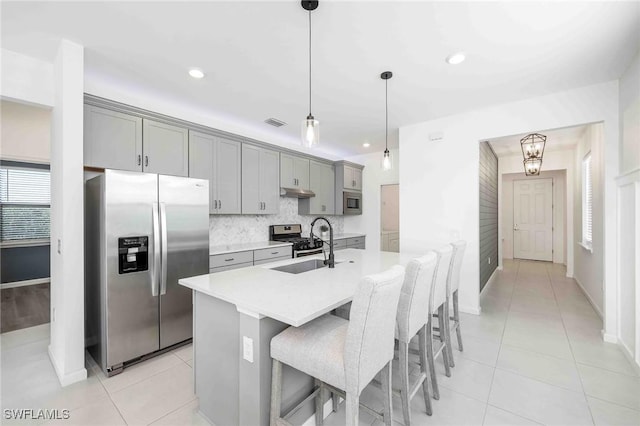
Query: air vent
[[275, 122]]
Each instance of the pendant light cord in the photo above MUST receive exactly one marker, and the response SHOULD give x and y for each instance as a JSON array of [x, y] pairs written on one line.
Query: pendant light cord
[[309, 62], [386, 115]]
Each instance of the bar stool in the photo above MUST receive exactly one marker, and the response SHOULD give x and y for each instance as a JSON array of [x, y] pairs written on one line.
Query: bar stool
[[412, 319], [453, 322], [438, 307], [343, 356]]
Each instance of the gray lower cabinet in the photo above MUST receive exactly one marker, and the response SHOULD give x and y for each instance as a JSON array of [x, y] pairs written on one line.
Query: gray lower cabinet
[[243, 259], [112, 140], [218, 160], [260, 180], [356, 242], [166, 148], [339, 244], [294, 171], [322, 183]]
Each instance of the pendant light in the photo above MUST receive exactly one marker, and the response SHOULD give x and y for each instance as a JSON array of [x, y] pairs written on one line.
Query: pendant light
[[387, 164], [310, 126], [532, 147]]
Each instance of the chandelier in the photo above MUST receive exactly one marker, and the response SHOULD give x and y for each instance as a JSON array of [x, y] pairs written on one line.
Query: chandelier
[[532, 150]]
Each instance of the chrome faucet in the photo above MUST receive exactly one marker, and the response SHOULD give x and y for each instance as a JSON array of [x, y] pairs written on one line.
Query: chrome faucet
[[331, 261]]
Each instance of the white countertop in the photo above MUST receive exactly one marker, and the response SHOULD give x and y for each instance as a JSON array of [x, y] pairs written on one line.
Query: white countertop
[[347, 235], [295, 298], [234, 248]]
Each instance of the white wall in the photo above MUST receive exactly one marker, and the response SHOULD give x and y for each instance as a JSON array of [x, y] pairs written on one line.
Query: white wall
[[66, 348], [588, 267], [26, 79], [439, 180], [26, 132], [372, 179], [559, 208], [629, 212]]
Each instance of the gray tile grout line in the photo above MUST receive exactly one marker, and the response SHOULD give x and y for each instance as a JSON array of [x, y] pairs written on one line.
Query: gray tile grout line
[[593, 421], [173, 411], [493, 376]]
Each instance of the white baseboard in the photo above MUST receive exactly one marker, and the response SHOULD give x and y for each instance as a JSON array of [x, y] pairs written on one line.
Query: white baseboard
[[470, 310], [24, 283], [326, 412], [627, 353], [66, 379], [609, 338], [593, 304]]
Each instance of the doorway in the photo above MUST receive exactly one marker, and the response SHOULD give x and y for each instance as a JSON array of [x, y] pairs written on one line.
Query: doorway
[[390, 218], [533, 219]]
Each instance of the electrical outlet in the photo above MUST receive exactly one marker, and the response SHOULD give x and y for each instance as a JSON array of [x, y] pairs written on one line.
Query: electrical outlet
[[247, 348], [489, 260]]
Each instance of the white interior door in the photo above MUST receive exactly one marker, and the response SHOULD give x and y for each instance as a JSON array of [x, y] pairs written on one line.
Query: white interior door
[[533, 219]]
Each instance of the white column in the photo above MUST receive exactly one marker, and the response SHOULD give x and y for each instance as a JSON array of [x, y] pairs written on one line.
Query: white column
[[66, 348]]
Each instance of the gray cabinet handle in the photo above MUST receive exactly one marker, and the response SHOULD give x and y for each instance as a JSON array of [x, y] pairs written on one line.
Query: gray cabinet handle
[[219, 204], [146, 161], [139, 159], [229, 260], [275, 252], [215, 204]]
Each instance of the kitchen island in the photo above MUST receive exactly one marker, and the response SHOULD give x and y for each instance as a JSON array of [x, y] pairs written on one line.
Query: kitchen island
[[236, 313]]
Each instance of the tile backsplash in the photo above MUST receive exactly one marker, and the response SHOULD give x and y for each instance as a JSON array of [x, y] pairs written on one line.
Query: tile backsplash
[[232, 229]]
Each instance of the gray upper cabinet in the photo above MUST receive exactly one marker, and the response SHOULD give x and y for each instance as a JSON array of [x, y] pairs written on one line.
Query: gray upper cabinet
[[218, 160], [166, 149], [351, 177], [112, 140], [260, 180], [294, 171], [322, 183]]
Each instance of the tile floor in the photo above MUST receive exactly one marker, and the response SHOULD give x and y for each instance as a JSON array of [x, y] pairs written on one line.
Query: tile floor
[[534, 356]]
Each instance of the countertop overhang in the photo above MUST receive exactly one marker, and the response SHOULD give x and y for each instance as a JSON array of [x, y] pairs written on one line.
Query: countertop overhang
[[295, 299]]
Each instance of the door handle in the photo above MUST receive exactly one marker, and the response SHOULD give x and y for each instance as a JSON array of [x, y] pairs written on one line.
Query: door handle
[[515, 228], [155, 275], [146, 161], [163, 260]]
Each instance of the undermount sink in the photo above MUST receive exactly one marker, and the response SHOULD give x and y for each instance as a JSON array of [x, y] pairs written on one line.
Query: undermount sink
[[298, 268]]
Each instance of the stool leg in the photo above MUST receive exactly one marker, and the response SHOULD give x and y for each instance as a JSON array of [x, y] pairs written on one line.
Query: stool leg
[[443, 337], [319, 403], [386, 389], [432, 363], [456, 318], [422, 336], [447, 326], [276, 391], [335, 399], [352, 407], [404, 377]]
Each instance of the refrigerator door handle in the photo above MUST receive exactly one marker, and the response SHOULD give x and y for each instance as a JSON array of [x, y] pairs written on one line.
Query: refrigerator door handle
[[163, 261], [155, 271]]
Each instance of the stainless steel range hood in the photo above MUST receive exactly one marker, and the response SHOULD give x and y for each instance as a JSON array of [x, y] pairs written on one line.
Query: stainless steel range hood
[[296, 193]]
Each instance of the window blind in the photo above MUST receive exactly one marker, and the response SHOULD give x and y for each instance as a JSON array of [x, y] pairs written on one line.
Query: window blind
[[25, 198], [587, 201]]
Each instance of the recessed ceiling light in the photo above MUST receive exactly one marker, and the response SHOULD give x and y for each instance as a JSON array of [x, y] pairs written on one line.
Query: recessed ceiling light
[[456, 58], [366, 144], [196, 73]]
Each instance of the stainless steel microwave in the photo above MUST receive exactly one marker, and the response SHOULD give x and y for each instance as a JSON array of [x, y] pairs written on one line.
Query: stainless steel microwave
[[351, 202]]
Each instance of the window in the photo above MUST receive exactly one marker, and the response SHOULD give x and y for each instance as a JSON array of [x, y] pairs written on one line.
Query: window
[[587, 202], [25, 198]]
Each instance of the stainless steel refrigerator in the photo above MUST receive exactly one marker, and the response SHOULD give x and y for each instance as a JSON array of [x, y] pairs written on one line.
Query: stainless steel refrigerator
[[143, 232]]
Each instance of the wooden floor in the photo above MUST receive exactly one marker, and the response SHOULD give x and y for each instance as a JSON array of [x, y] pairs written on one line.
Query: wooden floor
[[24, 307]]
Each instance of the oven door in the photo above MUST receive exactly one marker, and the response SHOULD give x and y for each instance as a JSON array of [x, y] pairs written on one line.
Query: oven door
[[309, 252], [351, 202]]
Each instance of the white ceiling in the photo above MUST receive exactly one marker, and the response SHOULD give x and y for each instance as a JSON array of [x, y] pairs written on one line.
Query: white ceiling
[[557, 140], [255, 56]]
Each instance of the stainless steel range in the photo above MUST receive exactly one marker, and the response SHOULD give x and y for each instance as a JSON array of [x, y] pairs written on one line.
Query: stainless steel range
[[302, 246]]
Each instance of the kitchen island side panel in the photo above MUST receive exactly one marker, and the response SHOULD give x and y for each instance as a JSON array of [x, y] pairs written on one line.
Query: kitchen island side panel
[[216, 358]]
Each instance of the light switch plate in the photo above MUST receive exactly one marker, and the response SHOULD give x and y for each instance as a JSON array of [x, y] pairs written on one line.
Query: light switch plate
[[247, 348]]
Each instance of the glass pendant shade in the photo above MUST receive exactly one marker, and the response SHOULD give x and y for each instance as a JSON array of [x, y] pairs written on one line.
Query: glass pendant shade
[[532, 166], [387, 161], [310, 132]]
